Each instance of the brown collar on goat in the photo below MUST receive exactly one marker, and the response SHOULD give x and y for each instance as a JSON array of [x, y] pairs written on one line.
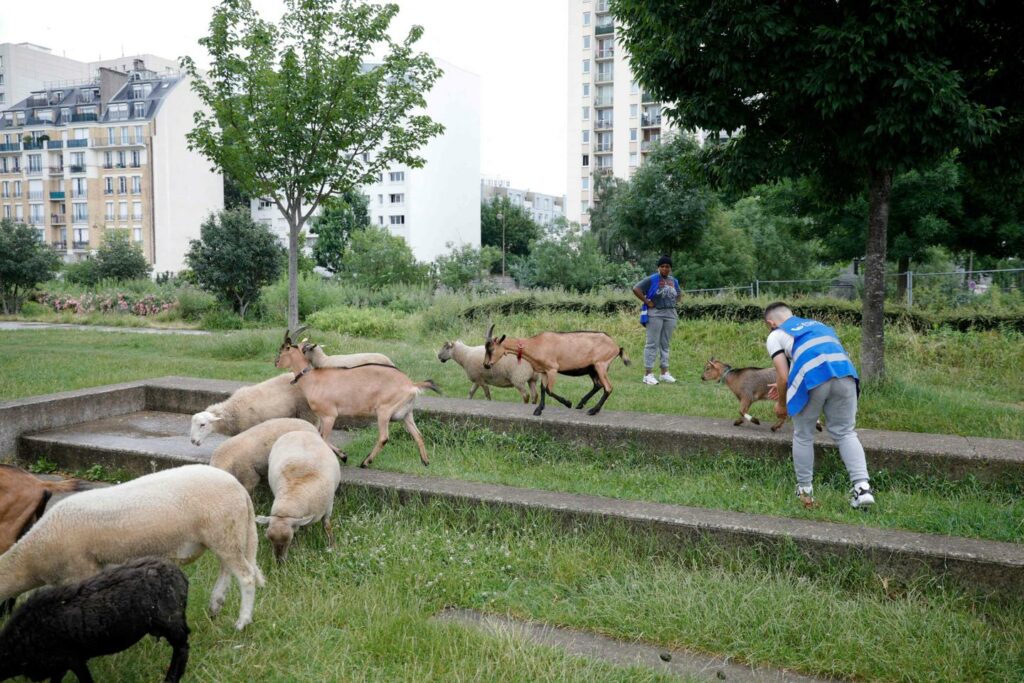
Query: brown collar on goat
[[305, 371], [728, 369]]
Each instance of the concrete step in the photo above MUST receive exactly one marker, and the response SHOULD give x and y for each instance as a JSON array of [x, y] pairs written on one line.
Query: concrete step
[[947, 456], [146, 441]]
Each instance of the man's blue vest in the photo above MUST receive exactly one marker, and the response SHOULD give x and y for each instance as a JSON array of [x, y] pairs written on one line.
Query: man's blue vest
[[817, 357]]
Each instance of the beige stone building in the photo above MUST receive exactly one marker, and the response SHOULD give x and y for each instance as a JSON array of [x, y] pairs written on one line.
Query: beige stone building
[[108, 153]]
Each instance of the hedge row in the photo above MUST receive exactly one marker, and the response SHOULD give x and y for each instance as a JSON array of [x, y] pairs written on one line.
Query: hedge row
[[826, 310]]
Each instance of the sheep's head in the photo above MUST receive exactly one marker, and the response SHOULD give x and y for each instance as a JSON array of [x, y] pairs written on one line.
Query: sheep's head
[[309, 350], [203, 424], [493, 349], [713, 370], [445, 354], [281, 531]]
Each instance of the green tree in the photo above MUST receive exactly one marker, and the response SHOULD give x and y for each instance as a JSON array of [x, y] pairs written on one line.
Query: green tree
[[25, 261], [297, 114], [118, 258], [854, 93], [234, 257], [459, 267], [339, 218], [516, 222], [570, 260], [376, 258], [778, 247]]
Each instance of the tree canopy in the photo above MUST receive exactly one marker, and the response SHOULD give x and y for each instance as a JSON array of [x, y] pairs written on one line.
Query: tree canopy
[[314, 106], [520, 228], [25, 261], [118, 258], [854, 93], [339, 217]]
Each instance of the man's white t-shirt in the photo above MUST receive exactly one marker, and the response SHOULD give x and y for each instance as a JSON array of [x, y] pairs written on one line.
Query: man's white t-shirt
[[780, 342]]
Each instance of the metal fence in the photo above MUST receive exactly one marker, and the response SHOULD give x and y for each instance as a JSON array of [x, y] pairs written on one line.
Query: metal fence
[[914, 289]]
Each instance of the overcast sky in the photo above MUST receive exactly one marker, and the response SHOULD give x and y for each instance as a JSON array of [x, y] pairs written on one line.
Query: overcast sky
[[517, 47]]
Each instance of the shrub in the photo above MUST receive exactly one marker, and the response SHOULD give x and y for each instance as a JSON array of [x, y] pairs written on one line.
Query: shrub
[[375, 258], [25, 261], [357, 322], [110, 302], [220, 319], [83, 273], [461, 266], [119, 259], [193, 304]]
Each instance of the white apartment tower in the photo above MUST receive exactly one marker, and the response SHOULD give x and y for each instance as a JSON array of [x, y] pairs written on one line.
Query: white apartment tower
[[612, 122], [26, 67]]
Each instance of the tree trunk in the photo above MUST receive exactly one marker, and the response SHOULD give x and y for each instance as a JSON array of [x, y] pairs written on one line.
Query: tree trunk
[[293, 267], [872, 348], [902, 266]]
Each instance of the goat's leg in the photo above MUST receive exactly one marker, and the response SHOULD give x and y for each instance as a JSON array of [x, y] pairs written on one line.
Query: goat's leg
[[383, 420], [487, 391], [472, 389], [410, 426], [602, 375], [594, 390], [326, 427], [551, 376], [745, 413], [540, 406], [328, 532], [523, 393], [533, 389], [81, 670]]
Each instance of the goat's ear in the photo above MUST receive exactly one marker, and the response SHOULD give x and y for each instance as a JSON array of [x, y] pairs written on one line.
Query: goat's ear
[[215, 418], [262, 520]]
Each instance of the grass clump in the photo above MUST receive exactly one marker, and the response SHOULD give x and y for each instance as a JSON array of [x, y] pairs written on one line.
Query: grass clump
[[357, 322]]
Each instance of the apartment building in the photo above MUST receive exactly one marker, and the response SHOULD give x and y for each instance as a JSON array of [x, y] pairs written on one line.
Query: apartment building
[[543, 208], [613, 122], [109, 153], [25, 67], [438, 204]]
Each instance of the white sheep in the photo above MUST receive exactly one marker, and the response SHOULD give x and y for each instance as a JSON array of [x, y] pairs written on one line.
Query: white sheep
[[314, 353], [303, 474], [249, 406], [177, 514], [507, 372], [245, 455]]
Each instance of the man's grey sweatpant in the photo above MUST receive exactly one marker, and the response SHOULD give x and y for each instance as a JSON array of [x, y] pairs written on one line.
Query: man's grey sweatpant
[[659, 336], [838, 399]]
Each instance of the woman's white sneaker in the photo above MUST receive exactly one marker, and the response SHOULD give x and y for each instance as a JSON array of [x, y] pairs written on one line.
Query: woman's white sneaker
[[650, 380], [665, 377], [861, 495]]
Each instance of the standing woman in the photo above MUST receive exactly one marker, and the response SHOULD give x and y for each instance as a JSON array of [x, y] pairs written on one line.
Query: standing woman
[[659, 292]]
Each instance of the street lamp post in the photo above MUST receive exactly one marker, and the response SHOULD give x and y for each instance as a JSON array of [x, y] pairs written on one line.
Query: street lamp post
[[501, 217]]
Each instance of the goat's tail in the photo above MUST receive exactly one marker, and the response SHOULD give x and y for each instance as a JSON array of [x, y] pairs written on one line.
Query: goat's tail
[[623, 356], [63, 486], [428, 384]]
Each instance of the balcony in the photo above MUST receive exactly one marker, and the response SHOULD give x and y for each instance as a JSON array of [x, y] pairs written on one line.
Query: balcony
[[604, 76], [130, 141], [79, 194], [648, 121], [603, 124], [76, 168], [135, 164], [57, 196], [84, 142], [647, 98], [34, 172], [54, 144], [607, 53], [10, 147], [604, 29], [58, 219], [605, 148], [603, 6], [59, 246], [80, 245], [56, 170], [603, 101], [35, 144], [648, 145], [84, 117]]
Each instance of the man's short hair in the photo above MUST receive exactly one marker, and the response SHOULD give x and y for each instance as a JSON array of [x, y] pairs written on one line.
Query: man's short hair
[[776, 310]]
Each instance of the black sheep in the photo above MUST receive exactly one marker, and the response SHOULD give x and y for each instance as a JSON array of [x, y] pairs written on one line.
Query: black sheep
[[60, 629]]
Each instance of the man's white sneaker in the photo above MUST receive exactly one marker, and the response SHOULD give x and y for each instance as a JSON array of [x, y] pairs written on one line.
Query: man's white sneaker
[[649, 379], [665, 377], [806, 496], [861, 495]]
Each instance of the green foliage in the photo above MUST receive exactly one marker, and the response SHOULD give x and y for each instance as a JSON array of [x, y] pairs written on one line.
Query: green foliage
[[456, 269], [193, 304], [84, 272], [357, 322], [339, 218], [120, 259], [520, 230], [234, 257], [573, 261], [42, 466], [291, 111], [220, 319], [376, 258], [778, 250], [25, 261]]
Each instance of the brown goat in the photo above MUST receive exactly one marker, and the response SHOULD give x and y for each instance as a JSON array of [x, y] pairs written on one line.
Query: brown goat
[[561, 353], [23, 499], [362, 391], [748, 384]]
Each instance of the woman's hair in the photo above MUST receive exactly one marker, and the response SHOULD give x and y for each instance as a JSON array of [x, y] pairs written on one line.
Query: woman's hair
[[664, 261]]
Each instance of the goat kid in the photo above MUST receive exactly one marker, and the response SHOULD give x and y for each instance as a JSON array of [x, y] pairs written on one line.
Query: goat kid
[[561, 353], [371, 390], [748, 384]]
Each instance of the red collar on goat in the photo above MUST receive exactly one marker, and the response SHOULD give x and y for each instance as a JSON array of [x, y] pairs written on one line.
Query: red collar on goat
[[305, 371], [519, 352]]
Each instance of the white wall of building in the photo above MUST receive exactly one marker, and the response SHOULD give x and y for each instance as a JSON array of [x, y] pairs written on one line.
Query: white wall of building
[[185, 190], [27, 67]]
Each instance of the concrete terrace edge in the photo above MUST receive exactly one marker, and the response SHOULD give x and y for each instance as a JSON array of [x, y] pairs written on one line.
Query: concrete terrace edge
[[948, 456]]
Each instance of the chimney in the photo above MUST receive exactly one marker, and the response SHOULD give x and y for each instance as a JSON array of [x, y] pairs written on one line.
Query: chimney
[[138, 65]]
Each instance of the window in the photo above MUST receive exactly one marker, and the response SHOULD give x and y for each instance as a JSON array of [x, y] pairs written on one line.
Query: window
[[397, 176], [137, 234], [138, 133], [108, 160], [586, 136], [586, 18], [397, 198], [19, 212], [122, 185], [586, 42], [80, 212], [632, 134], [108, 185], [632, 111], [584, 206], [17, 189], [634, 88], [605, 71], [78, 187], [108, 213], [137, 185], [7, 210], [380, 220], [111, 136], [122, 211], [586, 113], [586, 90], [35, 163], [586, 160], [264, 202], [35, 214], [6, 192], [78, 159], [136, 158], [632, 158], [586, 66], [82, 134], [380, 200], [585, 184], [397, 220], [81, 236], [137, 211], [120, 159]]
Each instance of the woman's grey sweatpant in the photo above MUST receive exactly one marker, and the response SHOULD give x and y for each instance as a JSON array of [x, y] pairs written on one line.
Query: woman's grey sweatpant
[[838, 399], [659, 336]]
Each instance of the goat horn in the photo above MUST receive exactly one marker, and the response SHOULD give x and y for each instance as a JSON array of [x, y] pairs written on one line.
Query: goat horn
[[301, 330], [490, 331]]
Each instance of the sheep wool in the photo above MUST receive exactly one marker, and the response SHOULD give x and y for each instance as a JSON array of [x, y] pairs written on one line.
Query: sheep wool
[[249, 406], [245, 455]]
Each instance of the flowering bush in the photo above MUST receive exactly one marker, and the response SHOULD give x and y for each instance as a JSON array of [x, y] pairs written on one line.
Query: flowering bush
[[123, 302]]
